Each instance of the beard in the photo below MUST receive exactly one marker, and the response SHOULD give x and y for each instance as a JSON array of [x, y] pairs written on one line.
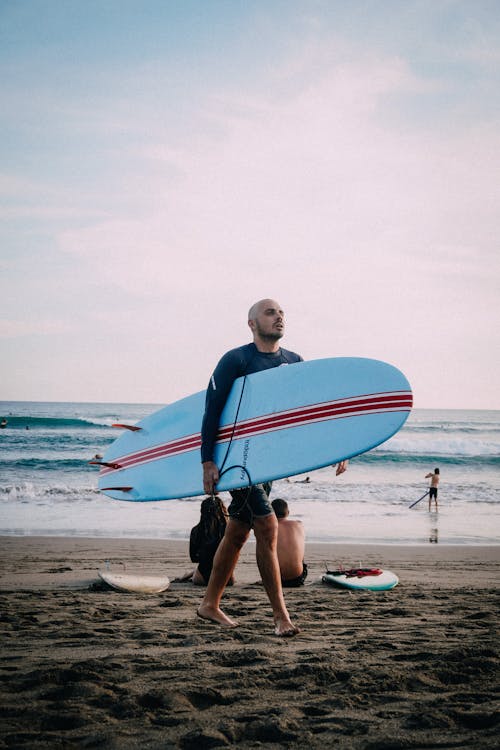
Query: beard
[[273, 335]]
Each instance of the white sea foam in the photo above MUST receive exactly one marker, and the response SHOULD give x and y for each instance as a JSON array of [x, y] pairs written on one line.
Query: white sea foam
[[442, 444], [47, 486]]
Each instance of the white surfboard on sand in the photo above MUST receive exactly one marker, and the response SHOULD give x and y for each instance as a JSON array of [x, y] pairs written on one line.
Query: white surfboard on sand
[[134, 582]]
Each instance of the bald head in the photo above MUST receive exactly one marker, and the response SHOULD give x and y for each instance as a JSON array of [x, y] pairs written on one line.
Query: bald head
[[267, 323], [261, 305]]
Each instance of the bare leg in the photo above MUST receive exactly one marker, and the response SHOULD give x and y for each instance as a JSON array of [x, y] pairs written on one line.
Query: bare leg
[[266, 535], [225, 561], [198, 579]]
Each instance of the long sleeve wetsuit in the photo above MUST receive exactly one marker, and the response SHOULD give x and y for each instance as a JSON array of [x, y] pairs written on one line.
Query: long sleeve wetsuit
[[234, 364]]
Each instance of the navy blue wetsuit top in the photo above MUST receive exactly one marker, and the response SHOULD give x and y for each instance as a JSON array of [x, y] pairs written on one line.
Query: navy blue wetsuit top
[[234, 364]]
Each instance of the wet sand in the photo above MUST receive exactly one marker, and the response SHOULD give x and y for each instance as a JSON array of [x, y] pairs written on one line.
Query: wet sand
[[83, 666]]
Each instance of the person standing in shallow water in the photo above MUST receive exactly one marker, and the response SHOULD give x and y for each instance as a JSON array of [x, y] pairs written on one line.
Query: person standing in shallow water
[[433, 489]]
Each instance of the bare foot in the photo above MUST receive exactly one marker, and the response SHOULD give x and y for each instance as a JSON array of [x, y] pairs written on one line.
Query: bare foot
[[188, 576], [215, 615], [285, 629]]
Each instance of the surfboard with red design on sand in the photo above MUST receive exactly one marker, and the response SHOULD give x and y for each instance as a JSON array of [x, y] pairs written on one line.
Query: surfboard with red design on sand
[[362, 579], [277, 423]]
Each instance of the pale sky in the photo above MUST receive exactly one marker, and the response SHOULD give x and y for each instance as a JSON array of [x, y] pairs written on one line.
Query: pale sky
[[166, 163]]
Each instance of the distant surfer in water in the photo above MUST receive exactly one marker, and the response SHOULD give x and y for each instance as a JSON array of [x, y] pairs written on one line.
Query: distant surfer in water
[[291, 546], [433, 489]]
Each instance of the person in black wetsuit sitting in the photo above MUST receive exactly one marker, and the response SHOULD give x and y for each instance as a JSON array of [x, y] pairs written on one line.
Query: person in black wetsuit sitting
[[205, 539]]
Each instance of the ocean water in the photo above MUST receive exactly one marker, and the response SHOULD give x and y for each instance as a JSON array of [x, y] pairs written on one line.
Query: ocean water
[[47, 486]]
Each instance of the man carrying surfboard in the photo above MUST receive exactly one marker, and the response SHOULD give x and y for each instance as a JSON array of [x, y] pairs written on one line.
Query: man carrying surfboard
[[250, 507]]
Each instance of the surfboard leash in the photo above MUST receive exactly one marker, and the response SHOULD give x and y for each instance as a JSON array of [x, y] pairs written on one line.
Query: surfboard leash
[[234, 428], [223, 471], [238, 466], [249, 489], [244, 375]]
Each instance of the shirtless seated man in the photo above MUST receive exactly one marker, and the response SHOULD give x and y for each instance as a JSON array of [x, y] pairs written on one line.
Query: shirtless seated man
[[291, 545]]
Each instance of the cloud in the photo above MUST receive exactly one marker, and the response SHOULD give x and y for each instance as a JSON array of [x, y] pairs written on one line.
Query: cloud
[[344, 177], [312, 176]]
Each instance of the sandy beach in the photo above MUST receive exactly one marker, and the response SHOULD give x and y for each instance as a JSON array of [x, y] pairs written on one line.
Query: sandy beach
[[85, 666]]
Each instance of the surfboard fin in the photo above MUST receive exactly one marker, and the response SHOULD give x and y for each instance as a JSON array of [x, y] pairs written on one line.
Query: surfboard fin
[[117, 489], [131, 427], [105, 463]]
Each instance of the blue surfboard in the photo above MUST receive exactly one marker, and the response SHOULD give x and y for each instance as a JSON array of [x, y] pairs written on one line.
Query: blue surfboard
[[276, 423]]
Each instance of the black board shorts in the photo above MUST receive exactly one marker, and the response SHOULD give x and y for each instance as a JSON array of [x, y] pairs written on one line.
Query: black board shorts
[[250, 502], [294, 583], [433, 493]]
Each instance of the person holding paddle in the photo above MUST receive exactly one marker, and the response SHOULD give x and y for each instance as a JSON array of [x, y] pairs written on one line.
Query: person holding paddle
[[433, 489]]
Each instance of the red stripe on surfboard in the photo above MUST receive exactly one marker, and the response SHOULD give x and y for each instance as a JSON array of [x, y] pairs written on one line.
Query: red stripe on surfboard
[[179, 448], [321, 410], [287, 423], [359, 406], [224, 433], [161, 451], [340, 403], [282, 420], [184, 443], [325, 415]]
